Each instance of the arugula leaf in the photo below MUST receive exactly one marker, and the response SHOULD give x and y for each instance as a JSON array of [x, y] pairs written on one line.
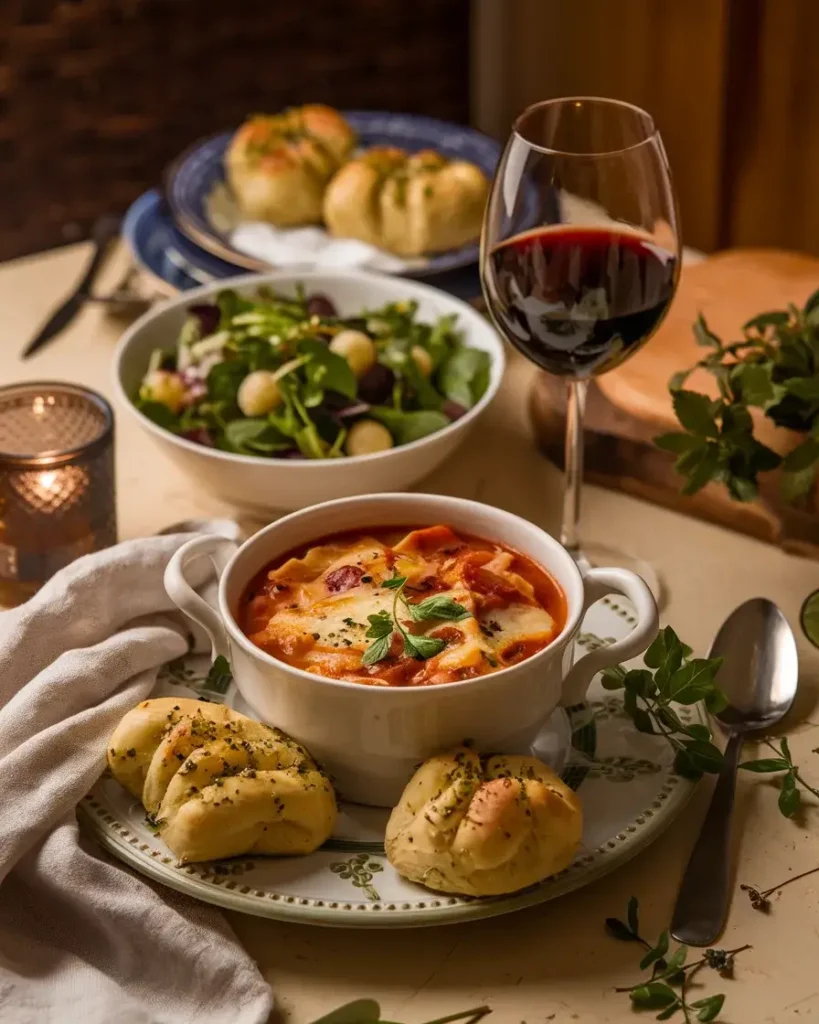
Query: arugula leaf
[[224, 380], [439, 606], [406, 427], [464, 376], [252, 436], [422, 647], [159, 414], [327, 371], [441, 339]]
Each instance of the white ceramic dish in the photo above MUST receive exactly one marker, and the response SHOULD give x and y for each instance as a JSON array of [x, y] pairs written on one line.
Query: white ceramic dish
[[370, 737], [296, 483]]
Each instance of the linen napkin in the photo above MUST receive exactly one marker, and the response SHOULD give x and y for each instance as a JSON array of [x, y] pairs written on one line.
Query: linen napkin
[[81, 937], [311, 247]]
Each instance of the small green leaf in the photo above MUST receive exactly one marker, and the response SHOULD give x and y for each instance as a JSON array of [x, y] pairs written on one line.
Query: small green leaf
[[704, 756], [676, 960], [786, 750], [795, 486], [464, 375], [809, 618], [654, 995], [802, 457], [618, 930], [362, 1011], [806, 388], [219, 676], [642, 721], [632, 915], [776, 318], [790, 798], [613, 678], [706, 470], [159, 414], [704, 336], [326, 370], [381, 625], [394, 582], [439, 606], [407, 427], [677, 380], [693, 681], [670, 718], [697, 732], [422, 647], [684, 766], [708, 1008], [665, 646], [696, 413], [755, 383], [765, 764], [657, 953], [669, 1011], [377, 650], [716, 701], [640, 681], [677, 443]]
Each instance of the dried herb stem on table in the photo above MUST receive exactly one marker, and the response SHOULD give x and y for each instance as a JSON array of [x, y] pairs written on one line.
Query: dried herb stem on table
[[774, 368], [677, 679], [667, 989], [367, 1011]]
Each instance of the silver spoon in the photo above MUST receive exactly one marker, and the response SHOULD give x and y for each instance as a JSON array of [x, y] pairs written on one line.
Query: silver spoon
[[758, 676]]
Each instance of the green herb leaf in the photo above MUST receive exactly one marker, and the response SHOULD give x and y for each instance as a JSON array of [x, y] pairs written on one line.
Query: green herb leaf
[[362, 1011], [639, 680], [765, 764], [706, 469], [464, 376], [422, 647], [655, 954], [665, 650], [159, 414], [797, 485], [642, 721], [407, 427], [378, 649], [618, 930], [716, 701], [755, 383], [393, 583], [327, 371], [219, 676], [224, 379], [693, 681], [677, 443], [675, 961], [668, 1012], [251, 436], [790, 798], [381, 625], [704, 756], [614, 678], [802, 457], [786, 750], [708, 1008], [704, 336], [776, 318], [653, 995], [439, 606], [696, 413]]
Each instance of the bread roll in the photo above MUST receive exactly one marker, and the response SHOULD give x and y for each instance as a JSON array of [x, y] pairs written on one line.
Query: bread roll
[[407, 204], [220, 784], [483, 828], [278, 166]]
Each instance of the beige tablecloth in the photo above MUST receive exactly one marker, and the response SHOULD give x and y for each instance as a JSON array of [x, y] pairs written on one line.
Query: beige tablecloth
[[554, 959]]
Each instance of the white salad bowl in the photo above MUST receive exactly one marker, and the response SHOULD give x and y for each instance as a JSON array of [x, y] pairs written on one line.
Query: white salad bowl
[[270, 483], [370, 737]]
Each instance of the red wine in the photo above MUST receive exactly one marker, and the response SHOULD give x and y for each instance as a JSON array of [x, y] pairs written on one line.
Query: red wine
[[578, 301]]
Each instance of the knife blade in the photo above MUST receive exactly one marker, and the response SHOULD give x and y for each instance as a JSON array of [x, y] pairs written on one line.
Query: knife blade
[[105, 229]]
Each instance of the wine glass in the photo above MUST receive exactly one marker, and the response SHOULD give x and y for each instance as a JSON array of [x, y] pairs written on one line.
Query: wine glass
[[580, 257]]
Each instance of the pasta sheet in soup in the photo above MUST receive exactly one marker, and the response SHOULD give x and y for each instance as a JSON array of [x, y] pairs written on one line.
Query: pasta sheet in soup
[[403, 607]]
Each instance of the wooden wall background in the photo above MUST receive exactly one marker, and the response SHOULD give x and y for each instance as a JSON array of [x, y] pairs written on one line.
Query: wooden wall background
[[732, 85], [96, 96]]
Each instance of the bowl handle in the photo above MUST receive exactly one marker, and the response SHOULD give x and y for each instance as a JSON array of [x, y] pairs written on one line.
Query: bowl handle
[[220, 550], [598, 583]]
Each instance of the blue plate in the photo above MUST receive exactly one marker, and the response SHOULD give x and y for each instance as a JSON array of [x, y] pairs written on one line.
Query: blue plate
[[164, 252], [201, 169]]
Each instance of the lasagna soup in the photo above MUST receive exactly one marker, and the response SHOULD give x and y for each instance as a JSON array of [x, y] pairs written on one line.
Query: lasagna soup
[[403, 607]]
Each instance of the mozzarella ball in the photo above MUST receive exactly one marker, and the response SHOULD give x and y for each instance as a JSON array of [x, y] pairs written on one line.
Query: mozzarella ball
[[366, 437], [165, 387], [422, 359], [357, 348], [259, 393]]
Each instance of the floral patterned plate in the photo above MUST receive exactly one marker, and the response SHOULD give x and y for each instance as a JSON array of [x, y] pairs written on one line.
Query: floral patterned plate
[[626, 781]]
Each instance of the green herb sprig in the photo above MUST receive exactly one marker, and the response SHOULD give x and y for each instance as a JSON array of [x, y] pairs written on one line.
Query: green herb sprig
[[775, 368], [383, 624], [790, 797], [667, 989], [677, 679]]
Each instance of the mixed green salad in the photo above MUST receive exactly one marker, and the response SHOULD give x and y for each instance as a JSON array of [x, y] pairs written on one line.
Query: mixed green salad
[[280, 377]]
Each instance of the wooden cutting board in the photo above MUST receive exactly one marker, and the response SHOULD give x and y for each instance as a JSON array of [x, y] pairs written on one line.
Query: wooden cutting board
[[629, 406]]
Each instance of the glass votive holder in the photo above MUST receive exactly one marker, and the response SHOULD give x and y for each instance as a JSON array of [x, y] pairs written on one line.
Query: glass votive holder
[[57, 498]]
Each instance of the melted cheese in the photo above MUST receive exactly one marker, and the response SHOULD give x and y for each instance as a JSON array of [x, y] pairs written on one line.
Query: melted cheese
[[318, 606]]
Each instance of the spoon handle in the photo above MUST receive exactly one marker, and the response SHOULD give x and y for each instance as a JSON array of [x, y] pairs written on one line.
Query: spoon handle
[[702, 903]]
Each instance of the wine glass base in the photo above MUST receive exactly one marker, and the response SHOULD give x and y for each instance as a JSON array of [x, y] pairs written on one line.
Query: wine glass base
[[596, 555]]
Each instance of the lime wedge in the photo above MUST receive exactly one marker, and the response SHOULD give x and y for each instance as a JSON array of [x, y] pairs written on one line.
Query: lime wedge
[[809, 617]]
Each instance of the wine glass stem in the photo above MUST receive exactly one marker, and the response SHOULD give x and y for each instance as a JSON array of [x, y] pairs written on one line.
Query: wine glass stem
[[575, 409]]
